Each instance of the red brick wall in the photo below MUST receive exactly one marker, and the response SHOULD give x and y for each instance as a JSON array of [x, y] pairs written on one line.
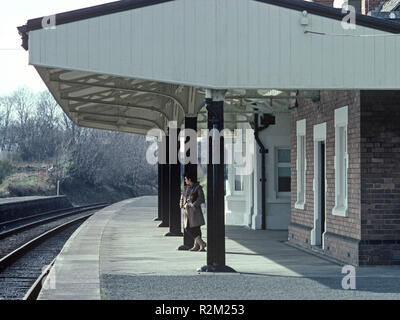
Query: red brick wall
[[380, 180], [370, 235], [325, 2], [343, 233], [372, 4]]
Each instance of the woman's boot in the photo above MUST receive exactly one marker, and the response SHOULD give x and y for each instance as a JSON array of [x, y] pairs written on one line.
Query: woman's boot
[[202, 244], [196, 245]]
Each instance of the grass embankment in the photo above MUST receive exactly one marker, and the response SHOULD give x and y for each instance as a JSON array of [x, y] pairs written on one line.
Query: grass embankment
[[26, 180]]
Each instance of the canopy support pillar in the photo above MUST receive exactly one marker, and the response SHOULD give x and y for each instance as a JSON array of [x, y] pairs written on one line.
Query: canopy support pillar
[[190, 123], [159, 217], [215, 185], [164, 184], [174, 185]]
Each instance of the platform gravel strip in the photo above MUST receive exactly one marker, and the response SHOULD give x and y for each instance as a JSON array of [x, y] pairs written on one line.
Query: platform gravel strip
[[245, 287]]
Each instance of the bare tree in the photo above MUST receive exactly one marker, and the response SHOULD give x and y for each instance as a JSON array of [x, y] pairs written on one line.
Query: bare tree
[[47, 122], [5, 118], [42, 132], [23, 102]]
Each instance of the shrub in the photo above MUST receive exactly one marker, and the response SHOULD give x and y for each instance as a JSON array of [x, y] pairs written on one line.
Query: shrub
[[5, 169], [14, 157], [25, 191]]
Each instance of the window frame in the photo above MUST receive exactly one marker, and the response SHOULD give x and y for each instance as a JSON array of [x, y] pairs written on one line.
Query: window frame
[[341, 162], [234, 175], [281, 165], [301, 161]]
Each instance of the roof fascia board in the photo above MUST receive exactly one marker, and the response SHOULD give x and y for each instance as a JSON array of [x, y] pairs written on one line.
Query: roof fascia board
[[95, 11], [119, 6], [335, 13]]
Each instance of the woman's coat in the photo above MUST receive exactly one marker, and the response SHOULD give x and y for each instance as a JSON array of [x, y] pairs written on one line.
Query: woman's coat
[[191, 200]]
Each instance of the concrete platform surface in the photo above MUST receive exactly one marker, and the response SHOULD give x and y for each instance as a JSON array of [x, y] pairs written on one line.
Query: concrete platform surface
[[119, 253]]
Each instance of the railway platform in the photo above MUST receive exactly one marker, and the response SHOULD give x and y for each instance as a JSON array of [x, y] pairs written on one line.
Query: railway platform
[[19, 199], [4, 201], [20, 207], [119, 253]]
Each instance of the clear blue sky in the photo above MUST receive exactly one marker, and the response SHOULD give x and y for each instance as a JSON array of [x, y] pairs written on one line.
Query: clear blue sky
[[14, 69]]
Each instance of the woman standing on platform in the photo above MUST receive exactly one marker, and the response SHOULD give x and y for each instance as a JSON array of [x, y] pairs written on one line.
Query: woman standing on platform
[[191, 200]]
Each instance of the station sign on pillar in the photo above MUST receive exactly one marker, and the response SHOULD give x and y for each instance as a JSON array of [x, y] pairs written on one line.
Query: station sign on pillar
[[215, 184]]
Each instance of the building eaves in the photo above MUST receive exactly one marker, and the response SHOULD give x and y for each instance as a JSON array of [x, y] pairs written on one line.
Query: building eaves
[[124, 5]]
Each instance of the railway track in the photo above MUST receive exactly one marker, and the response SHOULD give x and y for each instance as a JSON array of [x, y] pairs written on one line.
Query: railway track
[[23, 270], [12, 227]]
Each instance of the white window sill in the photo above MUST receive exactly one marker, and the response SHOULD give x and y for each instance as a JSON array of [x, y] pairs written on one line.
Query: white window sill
[[340, 211], [299, 206]]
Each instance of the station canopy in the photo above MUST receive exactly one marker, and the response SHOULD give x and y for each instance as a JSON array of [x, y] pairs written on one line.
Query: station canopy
[[135, 65]]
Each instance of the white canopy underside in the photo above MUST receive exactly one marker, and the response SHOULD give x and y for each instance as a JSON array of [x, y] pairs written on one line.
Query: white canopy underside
[[137, 106]]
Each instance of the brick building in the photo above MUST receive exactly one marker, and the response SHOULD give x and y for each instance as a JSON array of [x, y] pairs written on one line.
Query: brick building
[[346, 174], [367, 230]]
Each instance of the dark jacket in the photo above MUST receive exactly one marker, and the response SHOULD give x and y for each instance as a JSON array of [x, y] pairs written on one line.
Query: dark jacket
[[191, 200]]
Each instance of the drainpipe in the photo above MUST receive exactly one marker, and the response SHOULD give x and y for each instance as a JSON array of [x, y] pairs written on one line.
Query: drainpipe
[[263, 179]]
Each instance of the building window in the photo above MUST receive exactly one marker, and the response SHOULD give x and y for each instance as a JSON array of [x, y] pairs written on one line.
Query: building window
[[239, 178], [226, 179], [341, 162], [284, 172], [301, 164], [239, 183]]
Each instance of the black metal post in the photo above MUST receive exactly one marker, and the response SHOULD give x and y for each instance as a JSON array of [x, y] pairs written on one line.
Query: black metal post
[[159, 217], [174, 186], [267, 120], [263, 179], [165, 185], [215, 189], [190, 123]]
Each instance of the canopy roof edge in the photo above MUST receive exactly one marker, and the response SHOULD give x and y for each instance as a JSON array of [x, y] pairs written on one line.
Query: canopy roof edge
[[125, 5]]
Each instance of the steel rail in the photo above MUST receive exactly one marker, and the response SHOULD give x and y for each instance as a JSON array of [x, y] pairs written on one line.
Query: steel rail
[[72, 211], [9, 259], [45, 213], [35, 289], [14, 256]]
